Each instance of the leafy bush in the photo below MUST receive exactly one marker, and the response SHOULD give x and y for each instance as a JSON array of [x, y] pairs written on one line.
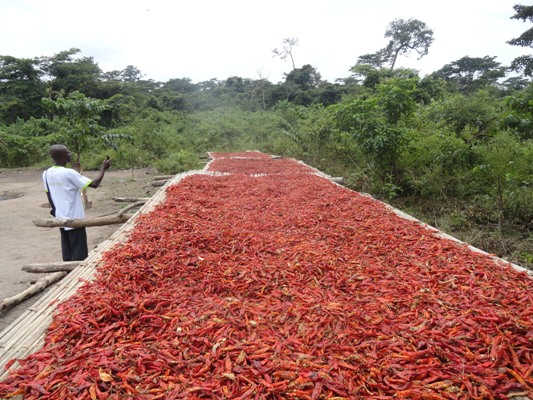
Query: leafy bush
[[178, 162]]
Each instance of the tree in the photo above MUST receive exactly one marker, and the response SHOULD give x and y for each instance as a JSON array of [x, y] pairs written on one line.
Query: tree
[[286, 52], [472, 118], [525, 63], [21, 89], [301, 84], [375, 60], [306, 78], [183, 85], [79, 116], [131, 74], [472, 73], [65, 72], [377, 124], [500, 172], [520, 113], [406, 36]]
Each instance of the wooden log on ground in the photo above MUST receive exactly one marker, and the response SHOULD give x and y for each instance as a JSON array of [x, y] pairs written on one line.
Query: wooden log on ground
[[159, 183], [130, 199], [163, 177], [39, 268], [336, 179], [81, 223], [39, 286], [129, 207]]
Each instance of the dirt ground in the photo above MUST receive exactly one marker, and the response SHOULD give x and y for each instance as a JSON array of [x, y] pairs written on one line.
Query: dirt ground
[[22, 199]]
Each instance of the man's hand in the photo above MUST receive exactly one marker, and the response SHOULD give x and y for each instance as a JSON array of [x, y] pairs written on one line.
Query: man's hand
[[106, 164]]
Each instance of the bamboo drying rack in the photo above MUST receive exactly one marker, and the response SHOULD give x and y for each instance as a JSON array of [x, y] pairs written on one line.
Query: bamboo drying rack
[[26, 334]]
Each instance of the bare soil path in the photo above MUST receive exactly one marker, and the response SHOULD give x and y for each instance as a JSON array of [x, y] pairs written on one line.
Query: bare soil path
[[22, 199]]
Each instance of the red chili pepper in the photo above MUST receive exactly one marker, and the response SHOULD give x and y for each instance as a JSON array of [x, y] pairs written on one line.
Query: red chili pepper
[[283, 285]]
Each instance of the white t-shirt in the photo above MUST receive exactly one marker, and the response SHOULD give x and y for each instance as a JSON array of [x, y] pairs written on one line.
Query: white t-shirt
[[65, 185]]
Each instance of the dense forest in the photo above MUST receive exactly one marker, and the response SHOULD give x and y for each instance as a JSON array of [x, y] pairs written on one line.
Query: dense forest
[[453, 148]]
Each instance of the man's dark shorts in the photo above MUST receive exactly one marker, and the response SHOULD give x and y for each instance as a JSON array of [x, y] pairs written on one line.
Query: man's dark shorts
[[74, 244]]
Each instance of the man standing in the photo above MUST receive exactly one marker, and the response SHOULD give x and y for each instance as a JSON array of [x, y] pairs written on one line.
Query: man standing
[[63, 186]]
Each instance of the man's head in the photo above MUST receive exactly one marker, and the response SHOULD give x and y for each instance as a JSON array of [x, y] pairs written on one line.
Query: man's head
[[60, 154]]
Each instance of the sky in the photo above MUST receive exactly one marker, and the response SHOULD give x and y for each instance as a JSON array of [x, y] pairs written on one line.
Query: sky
[[218, 39]]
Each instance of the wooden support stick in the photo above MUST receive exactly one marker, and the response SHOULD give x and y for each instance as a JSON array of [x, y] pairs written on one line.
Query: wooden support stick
[[158, 183], [39, 286], [81, 223], [130, 199], [129, 207], [163, 177], [51, 267]]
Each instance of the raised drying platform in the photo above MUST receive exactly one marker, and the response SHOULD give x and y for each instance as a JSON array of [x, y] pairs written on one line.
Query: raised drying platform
[[25, 335]]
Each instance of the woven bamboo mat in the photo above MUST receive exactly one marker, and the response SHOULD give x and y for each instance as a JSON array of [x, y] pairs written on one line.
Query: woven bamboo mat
[[25, 335]]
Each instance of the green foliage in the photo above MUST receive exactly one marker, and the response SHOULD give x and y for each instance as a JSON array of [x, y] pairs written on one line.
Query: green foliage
[[429, 89], [377, 124], [519, 113], [21, 89], [311, 129], [78, 118], [25, 143], [504, 173], [436, 163], [70, 74], [407, 36], [469, 74], [178, 162], [523, 63], [471, 117], [387, 132]]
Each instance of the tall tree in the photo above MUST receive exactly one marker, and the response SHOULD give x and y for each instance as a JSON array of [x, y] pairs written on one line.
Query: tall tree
[[300, 85], [375, 60], [523, 63], [407, 36], [306, 77], [21, 89], [286, 51], [66, 72], [472, 73]]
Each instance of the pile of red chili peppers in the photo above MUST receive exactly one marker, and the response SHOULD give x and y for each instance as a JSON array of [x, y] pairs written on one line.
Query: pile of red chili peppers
[[274, 283]]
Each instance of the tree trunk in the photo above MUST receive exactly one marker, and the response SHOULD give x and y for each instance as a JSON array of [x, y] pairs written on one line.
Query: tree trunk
[[81, 223], [394, 59], [130, 199], [39, 286], [38, 268], [158, 183]]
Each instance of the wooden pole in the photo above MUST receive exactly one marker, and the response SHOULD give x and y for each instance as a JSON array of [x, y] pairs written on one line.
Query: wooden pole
[[130, 199], [158, 183], [39, 286], [51, 267], [129, 207], [81, 223], [337, 179], [163, 177]]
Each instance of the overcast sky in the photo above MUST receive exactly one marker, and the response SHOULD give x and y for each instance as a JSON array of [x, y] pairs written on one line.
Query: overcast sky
[[205, 39]]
